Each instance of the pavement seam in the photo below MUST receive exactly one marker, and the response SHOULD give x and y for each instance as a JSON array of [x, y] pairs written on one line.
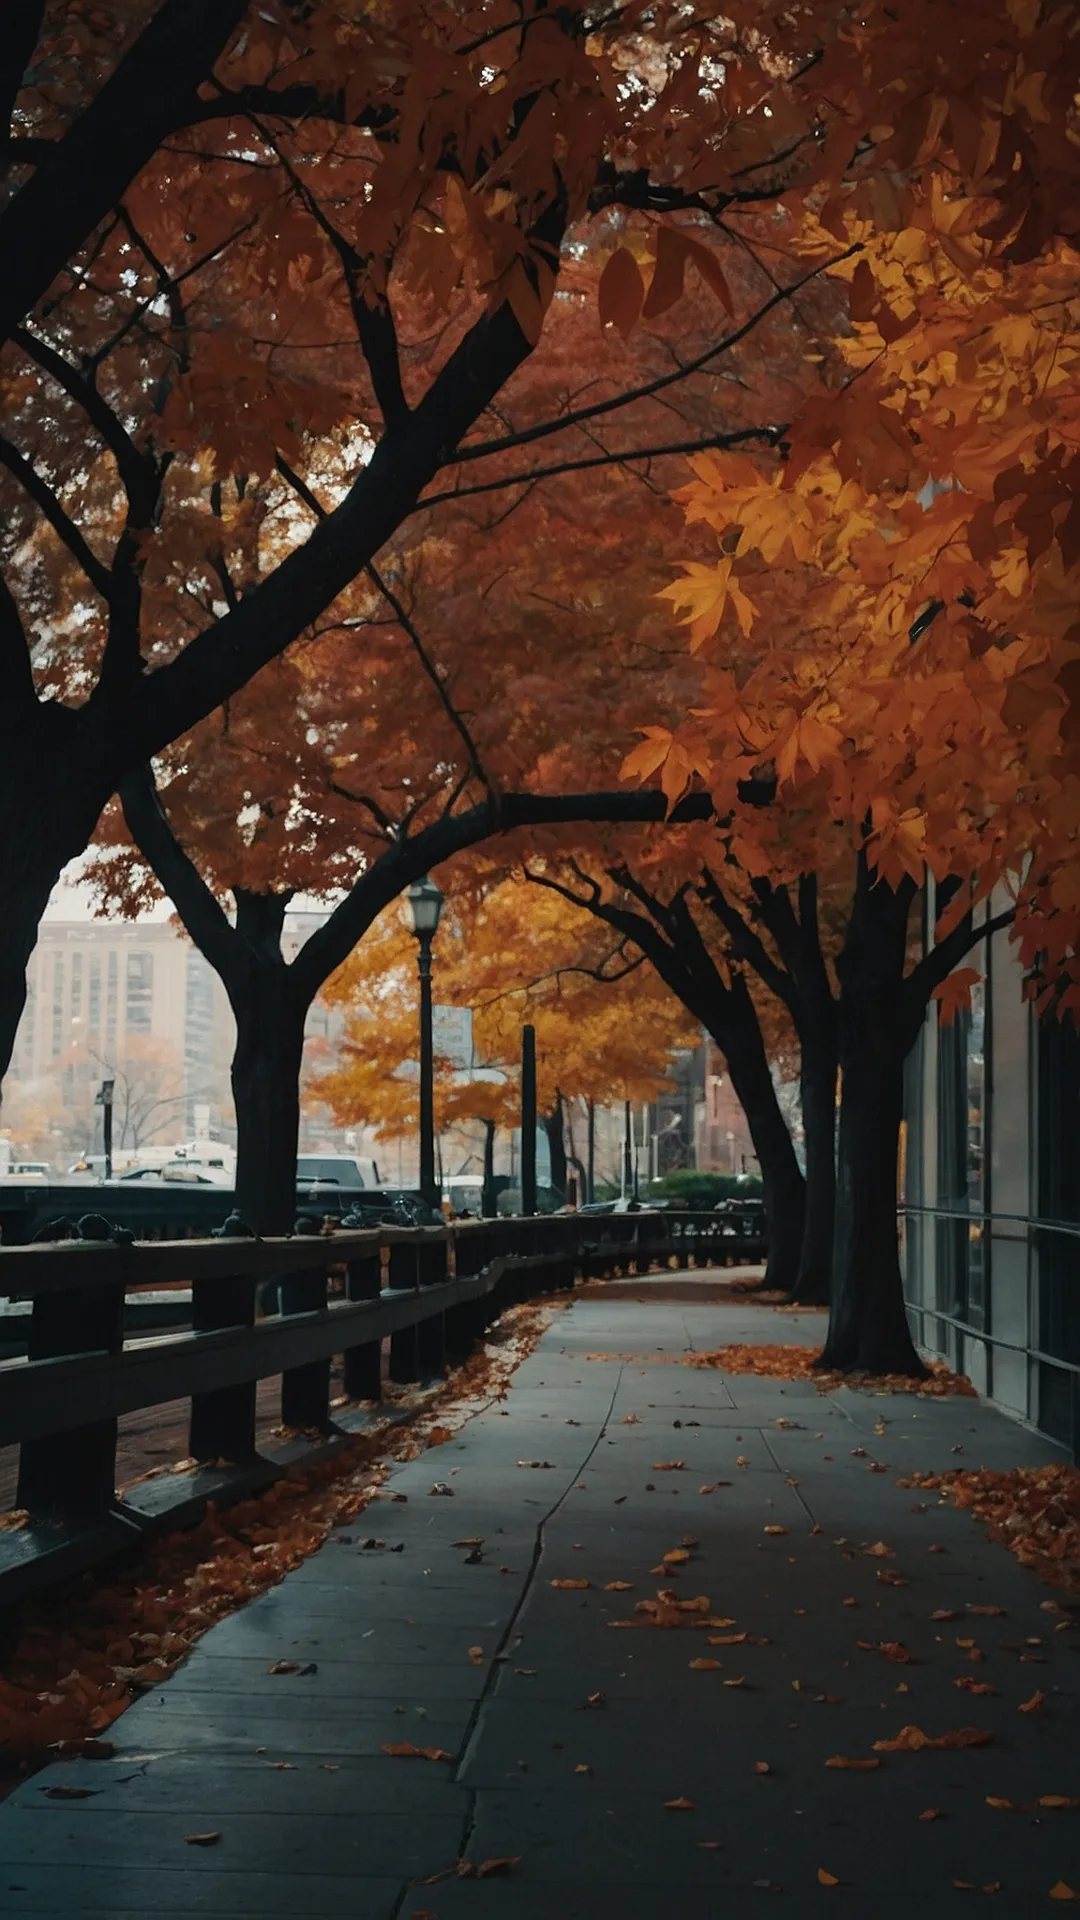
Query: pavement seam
[[495, 1663]]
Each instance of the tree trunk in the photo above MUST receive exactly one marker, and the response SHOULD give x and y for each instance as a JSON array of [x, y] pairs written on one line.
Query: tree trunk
[[488, 1202], [868, 1326], [556, 1139], [266, 1092], [738, 1035], [818, 1094], [49, 804]]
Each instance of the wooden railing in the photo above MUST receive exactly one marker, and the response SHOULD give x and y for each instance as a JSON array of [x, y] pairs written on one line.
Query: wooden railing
[[431, 1292]]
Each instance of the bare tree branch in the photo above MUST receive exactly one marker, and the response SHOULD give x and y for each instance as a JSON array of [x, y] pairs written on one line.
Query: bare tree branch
[[61, 522]]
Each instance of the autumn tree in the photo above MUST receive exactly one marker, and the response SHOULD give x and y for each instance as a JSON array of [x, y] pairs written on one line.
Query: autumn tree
[[917, 714], [605, 1030], [281, 244]]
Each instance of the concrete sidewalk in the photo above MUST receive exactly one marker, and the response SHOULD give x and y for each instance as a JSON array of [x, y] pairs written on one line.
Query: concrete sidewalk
[[568, 1737]]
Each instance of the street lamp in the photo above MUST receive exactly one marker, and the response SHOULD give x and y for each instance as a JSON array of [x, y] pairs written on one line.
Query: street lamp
[[425, 903]]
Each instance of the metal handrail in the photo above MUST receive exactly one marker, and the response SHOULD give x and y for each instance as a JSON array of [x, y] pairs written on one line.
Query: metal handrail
[[1034, 1224]]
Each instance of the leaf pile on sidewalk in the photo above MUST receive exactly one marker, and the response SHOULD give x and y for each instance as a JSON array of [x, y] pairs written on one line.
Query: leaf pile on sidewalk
[[1034, 1511], [83, 1652], [800, 1363]]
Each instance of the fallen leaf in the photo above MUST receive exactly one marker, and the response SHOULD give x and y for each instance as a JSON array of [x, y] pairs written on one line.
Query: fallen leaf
[[728, 1639], [827, 1879], [892, 1649], [1034, 1705], [405, 1750], [676, 1557], [1008, 1806], [284, 1666], [440, 1488], [438, 1437], [489, 1867], [988, 1613], [761, 1766], [840, 1760], [668, 1466], [583, 1767], [774, 1529], [914, 1740], [971, 1685], [705, 1666], [571, 1586], [742, 1461], [946, 1613], [598, 1699], [619, 1586], [681, 1805], [476, 1655], [931, 1813], [202, 1839], [879, 1551], [711, 1488], [1062, 1891]]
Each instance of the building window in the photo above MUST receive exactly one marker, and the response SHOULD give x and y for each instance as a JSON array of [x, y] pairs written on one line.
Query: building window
[[76, 986], [58, 1005], [111, 975], [961, 1242], [139, 993], [1058, 1190], [94, 994], [198, 1033]]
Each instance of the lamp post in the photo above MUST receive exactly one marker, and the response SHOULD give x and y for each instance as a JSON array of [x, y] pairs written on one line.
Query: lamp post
[[425, 903]]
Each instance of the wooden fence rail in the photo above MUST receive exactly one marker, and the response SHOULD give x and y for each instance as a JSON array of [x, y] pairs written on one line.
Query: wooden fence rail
[[429, 1292]]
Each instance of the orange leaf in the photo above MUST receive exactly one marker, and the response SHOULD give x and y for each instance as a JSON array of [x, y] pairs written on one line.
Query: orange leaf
[[774, 1529], [931, 1813], [1058, 1800], [571, 1586], [854, 1766], [619, 1586], [682, 1805], [711, 272], [621, 292], [827, 1879], [760, 1766], [1062, 1891], [1035, 1704], [954, 994], [405, 1750], [914, 1740], [668, 1466], [488, 1867], [705, 1666]]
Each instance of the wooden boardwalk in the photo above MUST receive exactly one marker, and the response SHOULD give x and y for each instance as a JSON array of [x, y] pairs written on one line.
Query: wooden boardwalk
[[625, 1778]]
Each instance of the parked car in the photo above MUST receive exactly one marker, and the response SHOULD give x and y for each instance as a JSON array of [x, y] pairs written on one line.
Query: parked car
[[315, 1170], [184, 1173], [31, 1170]]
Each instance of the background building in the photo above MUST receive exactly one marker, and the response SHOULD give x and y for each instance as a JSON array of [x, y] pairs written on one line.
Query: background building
[[991, 1197]]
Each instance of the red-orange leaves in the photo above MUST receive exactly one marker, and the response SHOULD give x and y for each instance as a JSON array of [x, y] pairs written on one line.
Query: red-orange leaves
[[621, 292], [914, 1740]]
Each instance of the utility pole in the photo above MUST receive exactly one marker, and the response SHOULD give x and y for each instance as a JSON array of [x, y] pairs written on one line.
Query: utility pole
[[104, 1100]]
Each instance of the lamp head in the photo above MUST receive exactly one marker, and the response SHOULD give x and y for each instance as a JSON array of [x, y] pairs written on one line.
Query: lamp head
[[425, 903]]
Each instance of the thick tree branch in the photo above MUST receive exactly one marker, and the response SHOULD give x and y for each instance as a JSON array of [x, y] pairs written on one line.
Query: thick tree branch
[[17, 692], [746, 944], [17, 42], [61, 523], [935, 966], [152, 91], [200, 912], [137, 471]]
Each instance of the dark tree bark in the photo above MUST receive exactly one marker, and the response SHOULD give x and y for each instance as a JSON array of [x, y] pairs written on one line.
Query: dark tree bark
[[553, 1125], [669, 937], [799, 978], [266, 1065], [488, 1202]]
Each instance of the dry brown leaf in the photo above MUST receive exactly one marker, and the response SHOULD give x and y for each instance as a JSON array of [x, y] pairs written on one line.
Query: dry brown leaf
[[827, 1879], [1058, 1800], [1061, 1890], [946, 1613], [879, 1551], [892, 1649], [583, 1767], [438, 1437], [476, 1655], [597, 1699], [774, 1529], [914, 1740], [931, 1813], [740, 1682], [668, 1466], [1008, 1806], [571, 1586], [405, 1750], [1035, 1704], [676, 1557], [762, 1766], [619, 1586], [705, 1666], [681, 1805], [711, 1488], [728, 1639], [840, 1760], [989, 1613], [971, 1685], [487, 1868]]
